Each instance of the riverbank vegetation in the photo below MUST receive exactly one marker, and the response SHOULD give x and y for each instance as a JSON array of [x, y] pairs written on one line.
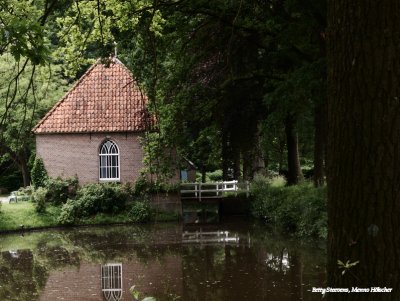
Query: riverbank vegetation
[[299, 209], [63, 203]]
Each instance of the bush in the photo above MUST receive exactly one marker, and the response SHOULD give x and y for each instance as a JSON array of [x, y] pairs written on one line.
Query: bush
[[215, 176], [92, 199], [145, 187], [38, 173], [28, 191], [140, 212], [60, 190], [39, 198], [300, 209]]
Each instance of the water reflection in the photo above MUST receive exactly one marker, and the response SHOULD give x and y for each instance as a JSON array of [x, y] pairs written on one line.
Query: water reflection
[[111, 281], [167, 261], [209, 237]]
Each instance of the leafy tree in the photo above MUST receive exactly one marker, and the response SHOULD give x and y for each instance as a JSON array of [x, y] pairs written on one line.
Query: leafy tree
[[211, 67], [22, 103]]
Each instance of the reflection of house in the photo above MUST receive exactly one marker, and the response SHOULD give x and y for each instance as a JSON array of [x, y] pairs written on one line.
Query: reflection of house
[[93, 131], [111, 281], [85, 282]]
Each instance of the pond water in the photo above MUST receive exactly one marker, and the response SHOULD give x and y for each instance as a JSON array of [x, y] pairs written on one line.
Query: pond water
[[232, 260]]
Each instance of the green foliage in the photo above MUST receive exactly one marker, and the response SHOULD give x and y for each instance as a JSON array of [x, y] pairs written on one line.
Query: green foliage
[[26, 93], [38, 173], [22, 33], [39, 198], [10, 178], [144, 187], [27, 191], [140, 212], [92, 199], [346, 266], [159, 157], [299, 209], [60, 190], [215, 176]]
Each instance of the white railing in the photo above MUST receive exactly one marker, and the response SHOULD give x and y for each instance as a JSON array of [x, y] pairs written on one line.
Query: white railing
[[213, 190], [209, 237]]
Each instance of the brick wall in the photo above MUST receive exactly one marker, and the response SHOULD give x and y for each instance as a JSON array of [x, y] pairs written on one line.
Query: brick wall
[[67, 155]]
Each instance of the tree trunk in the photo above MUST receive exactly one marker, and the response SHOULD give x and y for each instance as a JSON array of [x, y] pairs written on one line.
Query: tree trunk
[[225, 157], [294, 170], [236, 164], [25, 171], [203, 175], [363, 160], [319, 145], [253, 159]]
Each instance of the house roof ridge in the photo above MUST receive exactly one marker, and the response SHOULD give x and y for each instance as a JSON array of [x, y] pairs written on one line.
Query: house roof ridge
[[49, 113]]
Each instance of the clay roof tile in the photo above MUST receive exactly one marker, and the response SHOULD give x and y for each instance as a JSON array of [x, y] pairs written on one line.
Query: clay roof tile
[[104, 99]]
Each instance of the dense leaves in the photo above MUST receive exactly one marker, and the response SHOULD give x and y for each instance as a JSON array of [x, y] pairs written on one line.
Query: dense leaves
[[223, 77]]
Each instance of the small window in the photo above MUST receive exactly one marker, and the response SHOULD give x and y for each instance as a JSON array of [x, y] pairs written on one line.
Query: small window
[[109, 161]]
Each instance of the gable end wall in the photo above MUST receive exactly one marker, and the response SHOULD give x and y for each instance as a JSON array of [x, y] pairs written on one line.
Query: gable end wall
[[67, 155]]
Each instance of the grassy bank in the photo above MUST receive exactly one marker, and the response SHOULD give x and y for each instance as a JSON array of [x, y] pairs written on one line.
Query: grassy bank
[[299, 209], [14, 215]]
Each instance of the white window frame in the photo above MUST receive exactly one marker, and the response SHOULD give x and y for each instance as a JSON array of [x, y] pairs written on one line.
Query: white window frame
[[108, 156], [111, 281]]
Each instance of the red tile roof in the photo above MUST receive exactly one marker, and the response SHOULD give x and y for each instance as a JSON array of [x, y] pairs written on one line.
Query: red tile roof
[[104, 99]]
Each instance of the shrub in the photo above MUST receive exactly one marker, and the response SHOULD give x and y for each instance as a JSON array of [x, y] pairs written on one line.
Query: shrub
[[92, 199], [28, 190], [60, 190], [140, 212], [215, 176], [39, 198], [299, 209], [38, 173], [70, 213], [145, 187]]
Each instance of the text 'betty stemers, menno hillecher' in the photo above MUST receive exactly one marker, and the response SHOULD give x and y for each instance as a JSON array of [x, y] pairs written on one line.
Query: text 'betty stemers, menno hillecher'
[[352, 290]]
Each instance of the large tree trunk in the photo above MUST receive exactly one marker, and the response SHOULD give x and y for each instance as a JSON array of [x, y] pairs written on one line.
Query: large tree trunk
[[253, 158], [25, 171], [294, 170], [319, 145], [364, 147], [225, 157], [236, 163]]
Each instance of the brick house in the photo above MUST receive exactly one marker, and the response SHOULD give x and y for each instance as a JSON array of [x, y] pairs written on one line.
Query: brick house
[[93, 132]]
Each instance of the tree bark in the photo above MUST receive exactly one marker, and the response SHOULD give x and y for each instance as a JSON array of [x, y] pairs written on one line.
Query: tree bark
[[294, 170], [236, 163], [363, 160], [225, 157], [319, 145], [23, 165]]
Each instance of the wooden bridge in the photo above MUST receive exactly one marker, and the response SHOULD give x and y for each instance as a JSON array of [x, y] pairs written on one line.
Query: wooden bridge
[[199, 191]]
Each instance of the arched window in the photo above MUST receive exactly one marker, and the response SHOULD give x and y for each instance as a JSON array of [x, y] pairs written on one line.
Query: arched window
[[109, 161], [111, 281]]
